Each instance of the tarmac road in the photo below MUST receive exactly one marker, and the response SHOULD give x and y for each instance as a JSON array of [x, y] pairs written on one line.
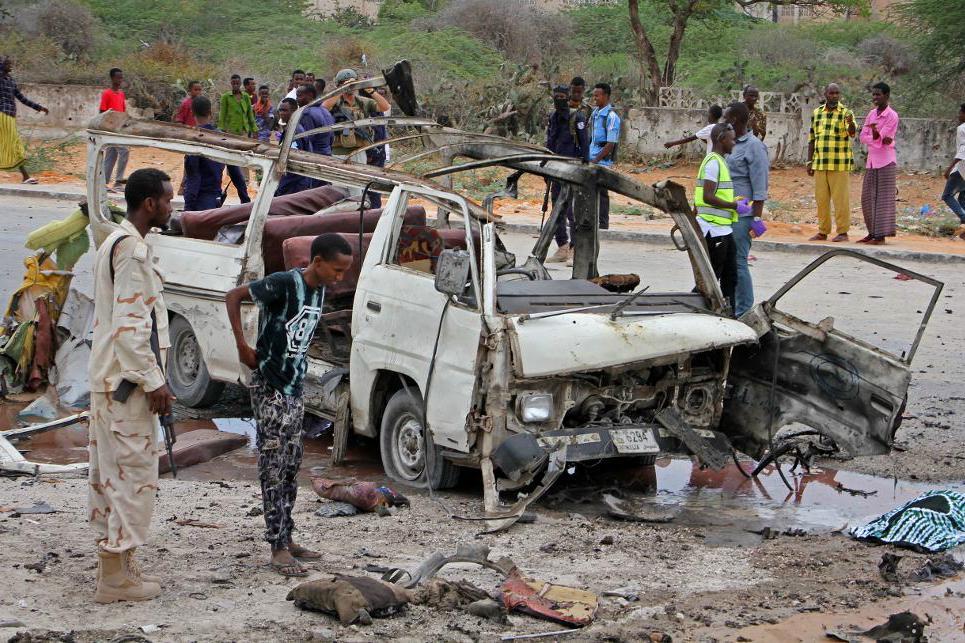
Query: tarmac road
[[864, 301]]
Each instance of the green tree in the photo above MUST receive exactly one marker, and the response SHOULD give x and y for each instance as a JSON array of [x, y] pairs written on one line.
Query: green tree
[[938, 23], [681, 11]]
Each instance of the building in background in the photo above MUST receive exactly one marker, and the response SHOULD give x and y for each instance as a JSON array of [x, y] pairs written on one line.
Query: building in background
[[793, 14], [370, 8]]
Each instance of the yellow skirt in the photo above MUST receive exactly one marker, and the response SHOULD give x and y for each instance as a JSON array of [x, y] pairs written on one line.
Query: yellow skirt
[[12, 152]]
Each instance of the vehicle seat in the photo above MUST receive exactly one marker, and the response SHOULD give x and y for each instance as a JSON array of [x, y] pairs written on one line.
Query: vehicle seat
[[280, 229], [204, 224]]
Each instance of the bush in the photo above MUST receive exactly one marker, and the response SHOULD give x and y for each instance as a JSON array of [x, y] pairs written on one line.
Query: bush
[[521, 32], [70, 25]]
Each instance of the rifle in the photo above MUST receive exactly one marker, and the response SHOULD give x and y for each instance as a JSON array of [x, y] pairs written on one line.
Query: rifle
[[546, 201]]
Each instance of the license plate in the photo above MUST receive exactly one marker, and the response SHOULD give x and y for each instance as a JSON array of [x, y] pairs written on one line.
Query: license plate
[[634, 441]]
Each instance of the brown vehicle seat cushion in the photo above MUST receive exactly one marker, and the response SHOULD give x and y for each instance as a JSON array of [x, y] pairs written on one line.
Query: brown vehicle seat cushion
[[419, 247], [280, 229], [204, 224]]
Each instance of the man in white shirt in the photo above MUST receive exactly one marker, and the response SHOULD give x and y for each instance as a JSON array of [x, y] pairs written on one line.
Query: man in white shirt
[[714, 112], [954, 193]]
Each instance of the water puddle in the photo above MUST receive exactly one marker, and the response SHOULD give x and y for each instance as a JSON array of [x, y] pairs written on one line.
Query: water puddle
[[738, 508]]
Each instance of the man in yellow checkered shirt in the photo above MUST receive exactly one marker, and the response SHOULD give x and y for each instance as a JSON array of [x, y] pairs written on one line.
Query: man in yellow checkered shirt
[[830, 160]]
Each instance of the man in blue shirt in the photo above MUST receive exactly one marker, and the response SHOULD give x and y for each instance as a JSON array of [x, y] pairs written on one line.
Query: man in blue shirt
[[202, 177], [566, 135], [749, 167], [316, 116], [605, 138]]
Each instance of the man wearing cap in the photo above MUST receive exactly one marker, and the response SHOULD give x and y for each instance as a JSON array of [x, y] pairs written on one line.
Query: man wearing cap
[[352, 106]]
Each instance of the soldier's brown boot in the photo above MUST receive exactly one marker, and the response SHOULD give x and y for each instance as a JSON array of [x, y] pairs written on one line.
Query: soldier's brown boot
[[136, 570], [115, 582]]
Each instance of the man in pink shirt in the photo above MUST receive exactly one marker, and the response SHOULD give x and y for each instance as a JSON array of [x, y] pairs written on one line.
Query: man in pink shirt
[[879, 190], [185, 115]]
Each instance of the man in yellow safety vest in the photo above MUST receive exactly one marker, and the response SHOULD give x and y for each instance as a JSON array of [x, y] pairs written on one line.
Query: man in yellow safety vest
[[717, 209]]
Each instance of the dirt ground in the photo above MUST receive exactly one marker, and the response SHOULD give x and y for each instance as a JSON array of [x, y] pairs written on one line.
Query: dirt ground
[[218, 588]]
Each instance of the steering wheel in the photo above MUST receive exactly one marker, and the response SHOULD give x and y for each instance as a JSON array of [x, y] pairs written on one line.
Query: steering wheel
[[515, 271]]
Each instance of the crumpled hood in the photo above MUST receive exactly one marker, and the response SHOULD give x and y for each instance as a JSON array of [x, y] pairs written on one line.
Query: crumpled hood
[[576, 342]]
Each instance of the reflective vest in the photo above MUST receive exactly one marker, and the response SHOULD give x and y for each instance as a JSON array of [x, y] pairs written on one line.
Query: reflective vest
[[725, 192]]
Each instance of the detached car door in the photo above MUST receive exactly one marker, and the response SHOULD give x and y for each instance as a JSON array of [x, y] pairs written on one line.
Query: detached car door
[[810, 372]]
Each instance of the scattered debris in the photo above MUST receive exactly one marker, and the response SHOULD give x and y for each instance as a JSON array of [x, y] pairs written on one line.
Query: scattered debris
[[617, 283], [854, 492], [770, 533], [255, 511], [539, 635], [37, 508], [11, 622], [932, 522], [41, 565], [941, 567], [200, 445], [558, 603], [888, 567], [903, 627], [337, 510], [488, 609], [634, 512], [353, 599], [631, 594], [193, 522], [477, 553], [446, 594], [152, 628], [367, 496]]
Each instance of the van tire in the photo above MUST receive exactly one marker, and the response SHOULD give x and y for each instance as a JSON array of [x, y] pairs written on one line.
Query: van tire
[[402, 445], [188, 376]]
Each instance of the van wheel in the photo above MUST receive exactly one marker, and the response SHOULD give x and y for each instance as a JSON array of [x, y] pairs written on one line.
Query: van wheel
[[187, 374], [402, 442]]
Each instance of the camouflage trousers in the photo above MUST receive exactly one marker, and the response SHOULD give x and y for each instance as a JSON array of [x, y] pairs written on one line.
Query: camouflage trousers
[[123, 470], [279, 440]]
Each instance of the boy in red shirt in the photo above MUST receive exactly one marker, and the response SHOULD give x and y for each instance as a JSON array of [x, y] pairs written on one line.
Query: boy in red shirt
[[185, 115], [113, 98]]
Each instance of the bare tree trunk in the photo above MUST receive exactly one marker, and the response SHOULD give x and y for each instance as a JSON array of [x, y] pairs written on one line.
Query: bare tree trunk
[[647, 53], [681, 14]]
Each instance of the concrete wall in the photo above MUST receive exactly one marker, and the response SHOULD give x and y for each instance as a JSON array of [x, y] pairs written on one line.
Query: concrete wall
[[71, 108], [923, 144]]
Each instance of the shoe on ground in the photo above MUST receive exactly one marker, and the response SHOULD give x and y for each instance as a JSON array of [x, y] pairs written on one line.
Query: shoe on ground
[[560, 256], [819, 237], [117, 582], [135, 568], [865, 239], [879, 241], [841, 237]]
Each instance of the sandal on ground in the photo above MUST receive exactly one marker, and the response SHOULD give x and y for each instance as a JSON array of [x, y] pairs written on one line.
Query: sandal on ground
[[291, 570], [303, 552], [30, 181]]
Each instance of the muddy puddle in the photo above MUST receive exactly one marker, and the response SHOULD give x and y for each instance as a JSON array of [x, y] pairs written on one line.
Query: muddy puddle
[[737, 509]]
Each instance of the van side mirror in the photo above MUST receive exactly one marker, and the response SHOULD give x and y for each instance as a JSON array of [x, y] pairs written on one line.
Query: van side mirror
[[452, 272]]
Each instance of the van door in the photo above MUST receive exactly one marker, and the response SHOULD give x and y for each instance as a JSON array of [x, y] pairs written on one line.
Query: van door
[[402, 324], [819, 373]]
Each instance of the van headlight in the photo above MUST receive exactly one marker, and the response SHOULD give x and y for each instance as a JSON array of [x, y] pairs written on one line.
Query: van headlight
[[535, 408]]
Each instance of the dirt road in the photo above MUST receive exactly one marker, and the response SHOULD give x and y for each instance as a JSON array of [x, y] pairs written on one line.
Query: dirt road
[[706, 575]]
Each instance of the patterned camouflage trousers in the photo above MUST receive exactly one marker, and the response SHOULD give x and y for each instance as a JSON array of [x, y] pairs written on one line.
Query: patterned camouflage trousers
[[123, 470], [279, 440]]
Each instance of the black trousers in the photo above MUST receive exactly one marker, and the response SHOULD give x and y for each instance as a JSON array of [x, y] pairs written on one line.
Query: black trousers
[[723, 258]]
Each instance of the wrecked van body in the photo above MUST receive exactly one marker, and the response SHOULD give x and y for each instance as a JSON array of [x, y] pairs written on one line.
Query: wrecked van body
[[453, 353]]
